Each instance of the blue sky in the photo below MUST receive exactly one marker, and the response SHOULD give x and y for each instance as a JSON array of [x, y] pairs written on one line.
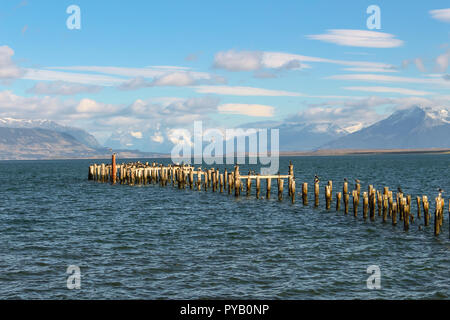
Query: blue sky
[[147, 67]]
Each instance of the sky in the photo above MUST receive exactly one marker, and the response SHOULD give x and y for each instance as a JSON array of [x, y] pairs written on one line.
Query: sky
[[147, 68]]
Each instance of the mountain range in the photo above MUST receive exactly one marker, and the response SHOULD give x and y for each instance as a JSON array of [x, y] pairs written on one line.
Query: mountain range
[[412, 128]]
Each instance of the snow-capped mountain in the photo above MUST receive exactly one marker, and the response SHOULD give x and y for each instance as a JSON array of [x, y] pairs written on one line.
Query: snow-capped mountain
[[412, 128], [79, 134]]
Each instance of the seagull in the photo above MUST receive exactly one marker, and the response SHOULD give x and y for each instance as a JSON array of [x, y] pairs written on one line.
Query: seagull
[[345, 180], [440, 192], [399, 190], [357, 181], [316, 178]]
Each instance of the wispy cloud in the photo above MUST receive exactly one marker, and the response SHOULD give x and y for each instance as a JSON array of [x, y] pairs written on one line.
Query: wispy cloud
[[441, 14], [358, 38], [256, 60], [252, 110], [390, 90], [62, 88], [390, 79], [83, 78], [245, 91], [176, 79], [380, 70]]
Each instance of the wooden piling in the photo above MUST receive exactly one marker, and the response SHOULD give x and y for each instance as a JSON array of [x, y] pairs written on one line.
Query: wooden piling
[[327, 197], [426, 215], [280, 189], [316, 194], [365, 205], [258, 186], [269, 187], [237, 186], [338, 200], [293, 191], [305, 193], [355, 202], [394, 213]]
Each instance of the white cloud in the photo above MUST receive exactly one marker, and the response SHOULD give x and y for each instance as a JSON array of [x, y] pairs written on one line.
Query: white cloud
[[244, 91], [441, 14], [358, 38], [8, 69], [83, 78], [442, 61], [136, 134], [238, 60], [253, 110], [62, 88], [390, 79], [256, 60], [381, 70], [389, 90], [89, 106]]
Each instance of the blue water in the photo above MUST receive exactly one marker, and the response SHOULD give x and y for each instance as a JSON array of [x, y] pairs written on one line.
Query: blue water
[[152, 242]]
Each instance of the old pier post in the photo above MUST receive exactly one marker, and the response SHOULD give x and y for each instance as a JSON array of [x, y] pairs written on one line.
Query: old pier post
[[338, 200], [316, 193], [305, 193], [346, 196], [355, 202], [258, 186]]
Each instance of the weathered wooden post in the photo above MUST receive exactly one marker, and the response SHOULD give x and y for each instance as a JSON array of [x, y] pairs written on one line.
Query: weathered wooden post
[[280, 189], [305, 193], [426, 215], [230, 182], [249, 184], [394, 213], [258, 186], [391, 203], [269, 187], [418, 207], [237, 181], [330, 185], [355, 202], [221, 182], [379, 203], [385, 207], [437, 216], [338, 200], [291, 177], [316, 193], [327, 197], [406, 217], [293, 191], [365, 205], [346, 196], [91, 173]]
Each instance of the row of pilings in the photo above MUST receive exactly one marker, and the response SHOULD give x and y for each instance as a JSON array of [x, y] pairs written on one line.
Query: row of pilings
[[382, 203]]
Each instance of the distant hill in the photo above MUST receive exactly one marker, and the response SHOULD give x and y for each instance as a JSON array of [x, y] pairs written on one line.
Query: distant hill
[[79, 134], [413, 128], [24, 143], [43, 139]]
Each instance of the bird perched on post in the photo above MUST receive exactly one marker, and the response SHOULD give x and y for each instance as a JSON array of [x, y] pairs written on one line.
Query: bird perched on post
[[357, 181], [316, 179], [399, 190], [345, 180], [440, 192]]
